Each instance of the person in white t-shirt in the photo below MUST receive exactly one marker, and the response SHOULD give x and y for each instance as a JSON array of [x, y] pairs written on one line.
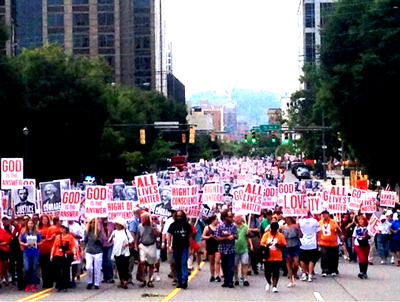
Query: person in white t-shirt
[[309, 254]]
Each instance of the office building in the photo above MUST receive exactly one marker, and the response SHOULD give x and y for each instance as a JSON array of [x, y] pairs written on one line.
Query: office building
[[7, 21]]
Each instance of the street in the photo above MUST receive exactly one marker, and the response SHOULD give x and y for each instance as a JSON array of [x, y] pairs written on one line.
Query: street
[[381, 285]]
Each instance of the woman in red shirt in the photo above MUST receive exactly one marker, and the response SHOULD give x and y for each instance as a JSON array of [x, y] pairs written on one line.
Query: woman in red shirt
[[62, 254], [45, 249], [5, 239]]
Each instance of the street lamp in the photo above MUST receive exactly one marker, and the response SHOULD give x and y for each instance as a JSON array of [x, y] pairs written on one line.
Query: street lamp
[[25, 131]]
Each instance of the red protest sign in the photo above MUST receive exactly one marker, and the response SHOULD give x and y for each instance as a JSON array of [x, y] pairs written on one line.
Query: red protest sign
[[147, 189], [96, 201], [70, 204], [356, 199], [12, 173], [373, 224], [369, 203], [388, 199], [212, 193], [184, 196], [294, 204]]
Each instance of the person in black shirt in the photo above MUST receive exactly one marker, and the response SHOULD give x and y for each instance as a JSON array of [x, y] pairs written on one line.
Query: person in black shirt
[[178, 242]]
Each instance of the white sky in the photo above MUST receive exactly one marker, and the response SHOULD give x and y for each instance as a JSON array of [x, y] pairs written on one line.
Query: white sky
[[222, 44]]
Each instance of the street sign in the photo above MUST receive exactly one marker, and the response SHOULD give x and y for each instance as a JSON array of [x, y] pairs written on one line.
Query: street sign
[[270, 127], [166, 125]]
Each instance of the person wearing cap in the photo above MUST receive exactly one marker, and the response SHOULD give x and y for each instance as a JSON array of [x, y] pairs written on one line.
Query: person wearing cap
[[121, 238], [329, 231], [383, 239], [62, 254]]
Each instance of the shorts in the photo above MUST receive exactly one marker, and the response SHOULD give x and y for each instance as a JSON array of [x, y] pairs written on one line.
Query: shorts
[[293, 252], [242, 258], [308, 256], [148, 253], [395, 246]]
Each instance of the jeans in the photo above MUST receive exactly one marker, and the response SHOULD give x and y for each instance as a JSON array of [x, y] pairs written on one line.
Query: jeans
[[352, 253], [383, 246], [107, 264], [181, 258], [228, 266], [30, 266]]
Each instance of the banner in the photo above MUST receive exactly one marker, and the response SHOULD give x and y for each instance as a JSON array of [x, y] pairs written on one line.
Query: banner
[[294, 204], [96, 201], [70, 205], [12, 173], [388, 199], [147, 190], [373, 224], [212, 194], [249, 198], [184, 196]]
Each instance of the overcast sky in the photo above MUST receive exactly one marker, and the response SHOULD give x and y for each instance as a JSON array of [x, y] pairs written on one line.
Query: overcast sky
[[222, 44]]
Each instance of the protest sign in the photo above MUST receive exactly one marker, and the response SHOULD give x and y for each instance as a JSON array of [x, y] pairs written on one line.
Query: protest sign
[[369, 203], [388, 199], [283, 189], [96, 201], [25, 200], [314, 202], [6, 202], [356, 199], [249, 198], [12, 173], [120, 208], [335, 199], [70, 204], [212, 194], [294, 204], [51, 196], [270, 197], [147, 189], [373, 224], [184, 196]]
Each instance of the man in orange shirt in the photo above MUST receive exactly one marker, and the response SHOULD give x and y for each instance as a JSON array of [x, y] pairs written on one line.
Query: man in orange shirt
[[329, 232]]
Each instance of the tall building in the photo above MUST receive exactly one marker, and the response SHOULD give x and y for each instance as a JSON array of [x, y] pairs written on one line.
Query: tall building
[[7, 21], [29, 24], [311, 17]]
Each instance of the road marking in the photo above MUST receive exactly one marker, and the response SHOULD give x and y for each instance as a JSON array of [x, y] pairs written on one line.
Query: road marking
[[175, 291], [318, 297], [40, 293], [40, 297]]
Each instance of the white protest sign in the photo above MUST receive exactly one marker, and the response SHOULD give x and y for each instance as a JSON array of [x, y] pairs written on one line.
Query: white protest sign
[[388, 199], [283, 189], [147, 189], [294, 204], [12, 173], [336, 199], [373, 224], [212, 194], [70, 204], [249, 198], [120, 208], [96, 201], [369, 203], [184, 196], [270, 197], [314, 203], [356, 199]]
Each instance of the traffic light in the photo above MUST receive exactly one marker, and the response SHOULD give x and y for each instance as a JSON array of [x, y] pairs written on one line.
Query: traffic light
[[273, 138], [253, 137], [245, 140], [142, 133], [192, 134], [286, 138], [183, 138]]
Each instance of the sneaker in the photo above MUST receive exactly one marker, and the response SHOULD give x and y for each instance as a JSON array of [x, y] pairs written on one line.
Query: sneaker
[[383, 262], [303, 277], [333, 274], [224, 285], [246, 283], [274, 290], [237, 282], [218, 279], [157, 279], [27, 288], [96, 287], [324, 274], [310, 279], [212, 279], [33, 288], [365, 276], [267, 287], [291, 284], [392, 260], [89, 286], [398, 263], [174, 283], [360, 275]]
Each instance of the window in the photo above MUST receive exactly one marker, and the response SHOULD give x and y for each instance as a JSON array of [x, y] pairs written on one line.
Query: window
[[106, 2], [55, 20], [81, 19], [57, 38], [106, 19], [143, 63], [142, 42], [310, 15], [81, 41], [326, 12], [310, 47], [80, 2], [55, 2], [2, 2], [106, 40]]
